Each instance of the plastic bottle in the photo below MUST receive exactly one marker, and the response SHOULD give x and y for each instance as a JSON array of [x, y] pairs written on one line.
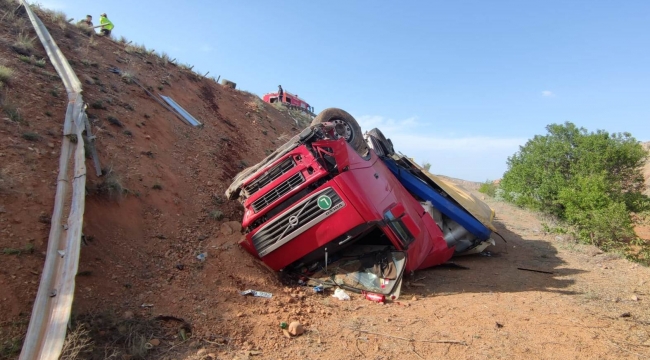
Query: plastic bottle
[[374, 297]]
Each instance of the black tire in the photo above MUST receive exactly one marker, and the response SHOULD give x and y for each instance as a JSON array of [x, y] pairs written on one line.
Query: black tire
[[346, 127], [386, 143]]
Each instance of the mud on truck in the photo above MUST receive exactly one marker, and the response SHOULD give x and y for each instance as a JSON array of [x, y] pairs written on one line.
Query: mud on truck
[[339, 208]]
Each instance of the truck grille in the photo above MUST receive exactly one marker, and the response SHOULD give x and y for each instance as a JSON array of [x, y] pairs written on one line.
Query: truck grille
[[270, 175], [291, 183], [295, 221]]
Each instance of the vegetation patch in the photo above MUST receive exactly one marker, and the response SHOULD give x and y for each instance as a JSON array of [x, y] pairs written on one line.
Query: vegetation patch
[[127, 77], [27, 249], [591, 180], [6, 74], [216, 215], [14, 114], [98, 105], [125, 336], [85, 29], [111, 186], [488, 188], [24, 45], [31, 136], [114, 121]]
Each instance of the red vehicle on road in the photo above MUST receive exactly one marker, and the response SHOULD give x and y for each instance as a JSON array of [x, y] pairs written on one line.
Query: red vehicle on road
[[326, 207]]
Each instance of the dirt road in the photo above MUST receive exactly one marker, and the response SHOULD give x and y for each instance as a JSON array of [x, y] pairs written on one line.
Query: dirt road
[[592, 306]]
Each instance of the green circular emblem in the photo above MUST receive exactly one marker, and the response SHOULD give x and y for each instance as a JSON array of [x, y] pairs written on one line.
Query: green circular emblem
[[324, 202]]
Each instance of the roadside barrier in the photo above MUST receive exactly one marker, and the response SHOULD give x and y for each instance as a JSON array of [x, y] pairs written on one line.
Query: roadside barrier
[[51, 312]]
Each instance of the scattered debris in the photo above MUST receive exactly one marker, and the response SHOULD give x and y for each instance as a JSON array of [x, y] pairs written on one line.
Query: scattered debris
[[257, 293], [375, 297], [296, 329], [498, 325], [154, 342], [625, 315], [145, 305], [533, 270], [341, 294], [201, 257]]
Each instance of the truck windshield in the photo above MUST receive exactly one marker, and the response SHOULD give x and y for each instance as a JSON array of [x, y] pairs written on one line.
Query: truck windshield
[[377, 271]]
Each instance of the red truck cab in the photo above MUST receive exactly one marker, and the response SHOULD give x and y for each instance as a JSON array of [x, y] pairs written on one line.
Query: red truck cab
[[317, 198]]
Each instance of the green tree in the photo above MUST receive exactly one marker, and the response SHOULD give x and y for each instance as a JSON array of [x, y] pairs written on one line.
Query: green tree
[[591, 179], [426, 166]]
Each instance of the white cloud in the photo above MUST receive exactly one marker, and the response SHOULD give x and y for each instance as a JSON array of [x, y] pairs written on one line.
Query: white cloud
[[471, 156], [548, 93], [206, 48]]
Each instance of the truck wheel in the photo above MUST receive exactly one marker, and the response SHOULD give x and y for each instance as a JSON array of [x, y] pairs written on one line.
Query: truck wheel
[[386, 143], [345, 126]]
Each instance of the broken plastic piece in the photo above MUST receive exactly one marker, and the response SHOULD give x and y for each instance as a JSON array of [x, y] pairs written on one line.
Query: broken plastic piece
[[341, 294], [201, 256], [62, 253], [257, 293]]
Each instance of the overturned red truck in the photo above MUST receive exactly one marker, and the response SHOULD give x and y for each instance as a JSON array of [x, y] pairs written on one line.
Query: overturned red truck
[[340, 209]]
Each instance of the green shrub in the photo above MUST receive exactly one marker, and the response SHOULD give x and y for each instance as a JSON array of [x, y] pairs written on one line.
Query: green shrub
[[592, 180], [488, 188]]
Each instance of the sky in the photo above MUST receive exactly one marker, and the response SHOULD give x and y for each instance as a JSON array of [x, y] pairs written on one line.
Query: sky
[[460, 84]]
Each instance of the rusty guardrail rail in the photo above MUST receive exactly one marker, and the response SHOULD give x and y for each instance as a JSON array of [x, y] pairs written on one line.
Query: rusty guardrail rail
[[51, 312]]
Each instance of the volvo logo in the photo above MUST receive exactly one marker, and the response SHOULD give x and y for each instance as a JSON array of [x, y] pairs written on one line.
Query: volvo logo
[[293, 221]]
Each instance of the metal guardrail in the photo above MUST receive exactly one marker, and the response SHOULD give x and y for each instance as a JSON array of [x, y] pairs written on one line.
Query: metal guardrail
[[51, 312]]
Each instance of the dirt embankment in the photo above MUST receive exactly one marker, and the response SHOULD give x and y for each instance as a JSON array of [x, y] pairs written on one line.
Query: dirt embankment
[[160, 202]]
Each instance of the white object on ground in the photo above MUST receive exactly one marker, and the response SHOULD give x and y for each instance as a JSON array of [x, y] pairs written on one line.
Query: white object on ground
[[341, 294]]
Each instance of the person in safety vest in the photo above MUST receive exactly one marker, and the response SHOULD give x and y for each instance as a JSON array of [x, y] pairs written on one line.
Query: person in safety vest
[[107, 25]]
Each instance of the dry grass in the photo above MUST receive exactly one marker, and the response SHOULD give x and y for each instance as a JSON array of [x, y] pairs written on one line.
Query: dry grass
[[6, 74], [127, 77], [77, 345], [24, 44], [118, 338], [85, 29], [111, 186]]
